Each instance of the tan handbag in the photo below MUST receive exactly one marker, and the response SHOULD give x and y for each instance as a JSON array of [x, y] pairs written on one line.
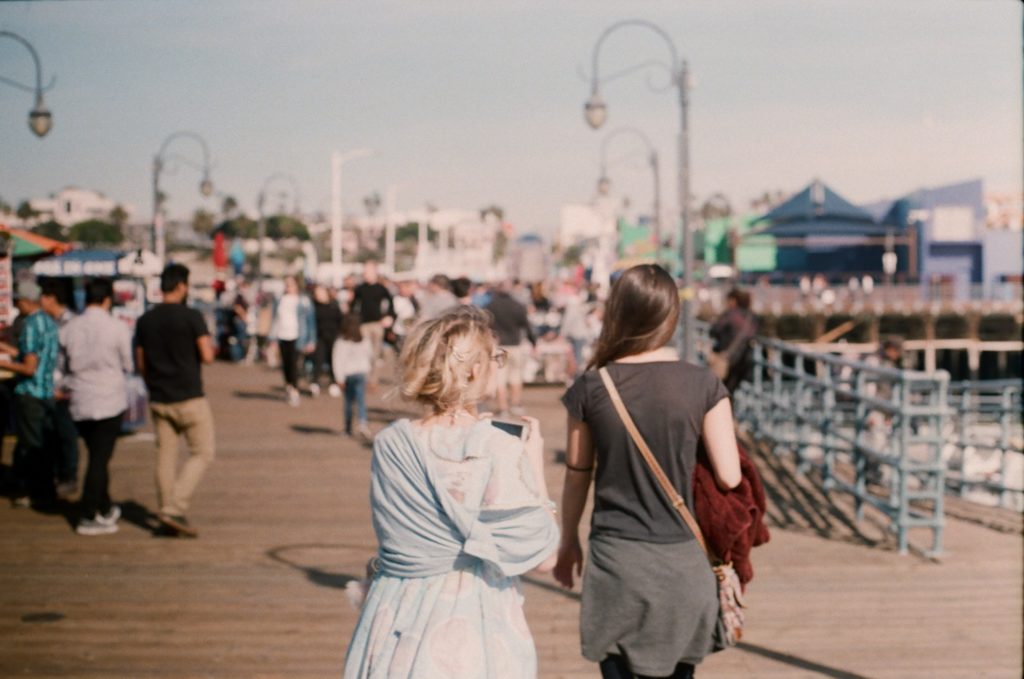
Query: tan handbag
[[730, 594]]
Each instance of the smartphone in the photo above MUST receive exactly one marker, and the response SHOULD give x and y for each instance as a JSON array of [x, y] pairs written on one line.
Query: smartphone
[[517, 429]]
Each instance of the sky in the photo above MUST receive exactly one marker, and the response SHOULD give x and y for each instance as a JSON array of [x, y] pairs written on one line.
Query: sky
[[467, 104]]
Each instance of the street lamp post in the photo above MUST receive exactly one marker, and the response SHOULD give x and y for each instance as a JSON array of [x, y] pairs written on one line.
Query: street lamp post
[[338, 160], [261, 230], [40, 119], [603, 183], [596, 112], [159, 162]]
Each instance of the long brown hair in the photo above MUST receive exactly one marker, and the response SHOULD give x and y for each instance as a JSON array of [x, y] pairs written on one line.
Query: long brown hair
[[641, 314]]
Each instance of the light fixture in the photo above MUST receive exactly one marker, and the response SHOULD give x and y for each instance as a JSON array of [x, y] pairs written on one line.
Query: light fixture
[[40, 120], [595, 110]]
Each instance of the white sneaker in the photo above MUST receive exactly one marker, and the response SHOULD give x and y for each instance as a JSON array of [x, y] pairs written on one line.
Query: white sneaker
[[314, 390], [334, 390], [292, 396], [111, 517], [95, 527]]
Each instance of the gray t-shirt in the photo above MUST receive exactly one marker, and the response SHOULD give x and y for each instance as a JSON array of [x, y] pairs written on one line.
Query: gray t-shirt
[[667, 400]]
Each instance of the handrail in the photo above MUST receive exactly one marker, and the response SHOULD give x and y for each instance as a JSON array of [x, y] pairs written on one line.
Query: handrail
[[908, 436]]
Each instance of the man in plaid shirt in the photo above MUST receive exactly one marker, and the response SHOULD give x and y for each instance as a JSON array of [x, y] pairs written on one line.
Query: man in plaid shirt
[[35, 406]]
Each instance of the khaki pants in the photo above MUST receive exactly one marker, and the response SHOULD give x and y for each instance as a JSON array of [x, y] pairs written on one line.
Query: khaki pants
[[194, 419], [374, 331]]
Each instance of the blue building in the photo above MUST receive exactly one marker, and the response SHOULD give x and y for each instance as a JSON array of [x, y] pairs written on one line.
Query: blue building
[[819, 231], [955, 249]]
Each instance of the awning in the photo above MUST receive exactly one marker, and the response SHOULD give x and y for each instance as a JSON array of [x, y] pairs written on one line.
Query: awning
[[27, 244]]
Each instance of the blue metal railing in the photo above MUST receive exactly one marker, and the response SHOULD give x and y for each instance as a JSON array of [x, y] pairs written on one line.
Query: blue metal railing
[[986, 450], [870, 431]]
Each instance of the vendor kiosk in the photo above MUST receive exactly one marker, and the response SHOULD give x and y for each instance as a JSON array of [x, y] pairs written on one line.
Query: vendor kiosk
[[135, 277]]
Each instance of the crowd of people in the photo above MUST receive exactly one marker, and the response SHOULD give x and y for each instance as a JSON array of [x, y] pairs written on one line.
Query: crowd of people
[[458, 495], [67, 379], [315, 333]]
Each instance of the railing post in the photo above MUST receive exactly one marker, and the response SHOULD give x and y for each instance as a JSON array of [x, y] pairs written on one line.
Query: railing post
[[859, 459], [776, 365], [1005, 422], [963, 439], [940, 406], [800, 390], [899, 498], [826, 421]]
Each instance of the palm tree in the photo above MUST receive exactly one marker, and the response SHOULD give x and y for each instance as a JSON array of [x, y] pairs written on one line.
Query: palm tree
[[25, 211], [229, 206], [118, 216]]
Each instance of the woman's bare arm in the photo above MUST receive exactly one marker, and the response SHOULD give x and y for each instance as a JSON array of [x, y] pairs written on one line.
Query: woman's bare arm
[[720, 441], [579, 470]]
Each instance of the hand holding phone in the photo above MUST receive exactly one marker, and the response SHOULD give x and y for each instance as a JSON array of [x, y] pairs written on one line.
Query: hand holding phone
[[518, 429]]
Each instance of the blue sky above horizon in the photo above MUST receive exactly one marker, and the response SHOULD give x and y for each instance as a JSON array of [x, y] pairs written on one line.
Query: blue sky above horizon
[[470, 103]]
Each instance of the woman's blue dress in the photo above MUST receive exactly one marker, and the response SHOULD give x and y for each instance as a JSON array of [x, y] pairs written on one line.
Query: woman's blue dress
[[458, 517]]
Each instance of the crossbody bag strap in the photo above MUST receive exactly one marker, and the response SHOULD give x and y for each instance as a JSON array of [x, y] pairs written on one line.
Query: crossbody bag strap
[[652, 463]]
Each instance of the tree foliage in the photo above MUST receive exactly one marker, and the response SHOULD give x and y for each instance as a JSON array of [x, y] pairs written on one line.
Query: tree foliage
[[118, 216], [716, 207], [500, 246], [411, 231], [50, 229], [283, 226], [493, 209], [203, 222], [96, 232], [572, 255], [228, 206], [278, 226], [25, 211]]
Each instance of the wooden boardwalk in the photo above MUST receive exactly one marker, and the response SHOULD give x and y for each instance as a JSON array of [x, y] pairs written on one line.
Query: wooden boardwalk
[[285, 524]]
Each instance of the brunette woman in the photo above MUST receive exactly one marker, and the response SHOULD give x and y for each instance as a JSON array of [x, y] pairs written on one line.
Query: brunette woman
[[649, 603]]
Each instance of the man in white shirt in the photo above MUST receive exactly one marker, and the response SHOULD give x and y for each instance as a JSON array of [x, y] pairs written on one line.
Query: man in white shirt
[[98, 354]]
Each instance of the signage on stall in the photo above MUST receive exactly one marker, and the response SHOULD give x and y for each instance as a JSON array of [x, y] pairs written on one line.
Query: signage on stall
[[6, 281]]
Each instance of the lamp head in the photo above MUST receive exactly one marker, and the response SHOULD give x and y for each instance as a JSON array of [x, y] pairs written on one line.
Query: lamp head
[[604, 185], [39, 119], [206, 187], [595, 110]]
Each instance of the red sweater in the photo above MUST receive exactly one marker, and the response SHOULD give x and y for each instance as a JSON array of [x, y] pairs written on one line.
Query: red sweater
[[732, 521]]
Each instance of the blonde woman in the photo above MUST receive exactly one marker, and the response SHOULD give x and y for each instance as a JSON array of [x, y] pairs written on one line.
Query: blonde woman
[[460, 510]]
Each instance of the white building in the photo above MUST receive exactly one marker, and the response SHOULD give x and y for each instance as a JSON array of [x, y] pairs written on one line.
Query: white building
[[580, 223], [464, 247], [595, 228], [71, 205]]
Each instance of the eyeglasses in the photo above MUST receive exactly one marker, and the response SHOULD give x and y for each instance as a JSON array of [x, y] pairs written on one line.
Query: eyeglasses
[[500, 357]]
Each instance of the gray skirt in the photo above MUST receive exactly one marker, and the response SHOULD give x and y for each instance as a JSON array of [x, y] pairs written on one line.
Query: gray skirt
[[654, 604]]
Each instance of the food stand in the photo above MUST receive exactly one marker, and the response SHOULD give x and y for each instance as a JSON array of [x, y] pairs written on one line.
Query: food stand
[[135, 277]]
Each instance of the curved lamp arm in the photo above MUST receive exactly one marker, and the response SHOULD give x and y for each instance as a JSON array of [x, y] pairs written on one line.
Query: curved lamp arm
[[595, 108], [40, 120], [652, 153], [278, 177], [189, 135]]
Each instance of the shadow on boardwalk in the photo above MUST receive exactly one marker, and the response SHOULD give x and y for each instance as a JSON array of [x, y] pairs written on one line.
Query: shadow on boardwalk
[[797, 503]]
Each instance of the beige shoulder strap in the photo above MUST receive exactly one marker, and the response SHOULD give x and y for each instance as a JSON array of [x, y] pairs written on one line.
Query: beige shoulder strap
[[648, 456]]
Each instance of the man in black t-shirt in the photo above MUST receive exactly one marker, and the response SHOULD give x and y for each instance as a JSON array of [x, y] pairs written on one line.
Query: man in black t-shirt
[[511, 325], [372, 301], [171, 341]]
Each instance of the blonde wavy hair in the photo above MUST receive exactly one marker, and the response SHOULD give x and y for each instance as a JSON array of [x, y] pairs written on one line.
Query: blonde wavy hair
[[438, 356]]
